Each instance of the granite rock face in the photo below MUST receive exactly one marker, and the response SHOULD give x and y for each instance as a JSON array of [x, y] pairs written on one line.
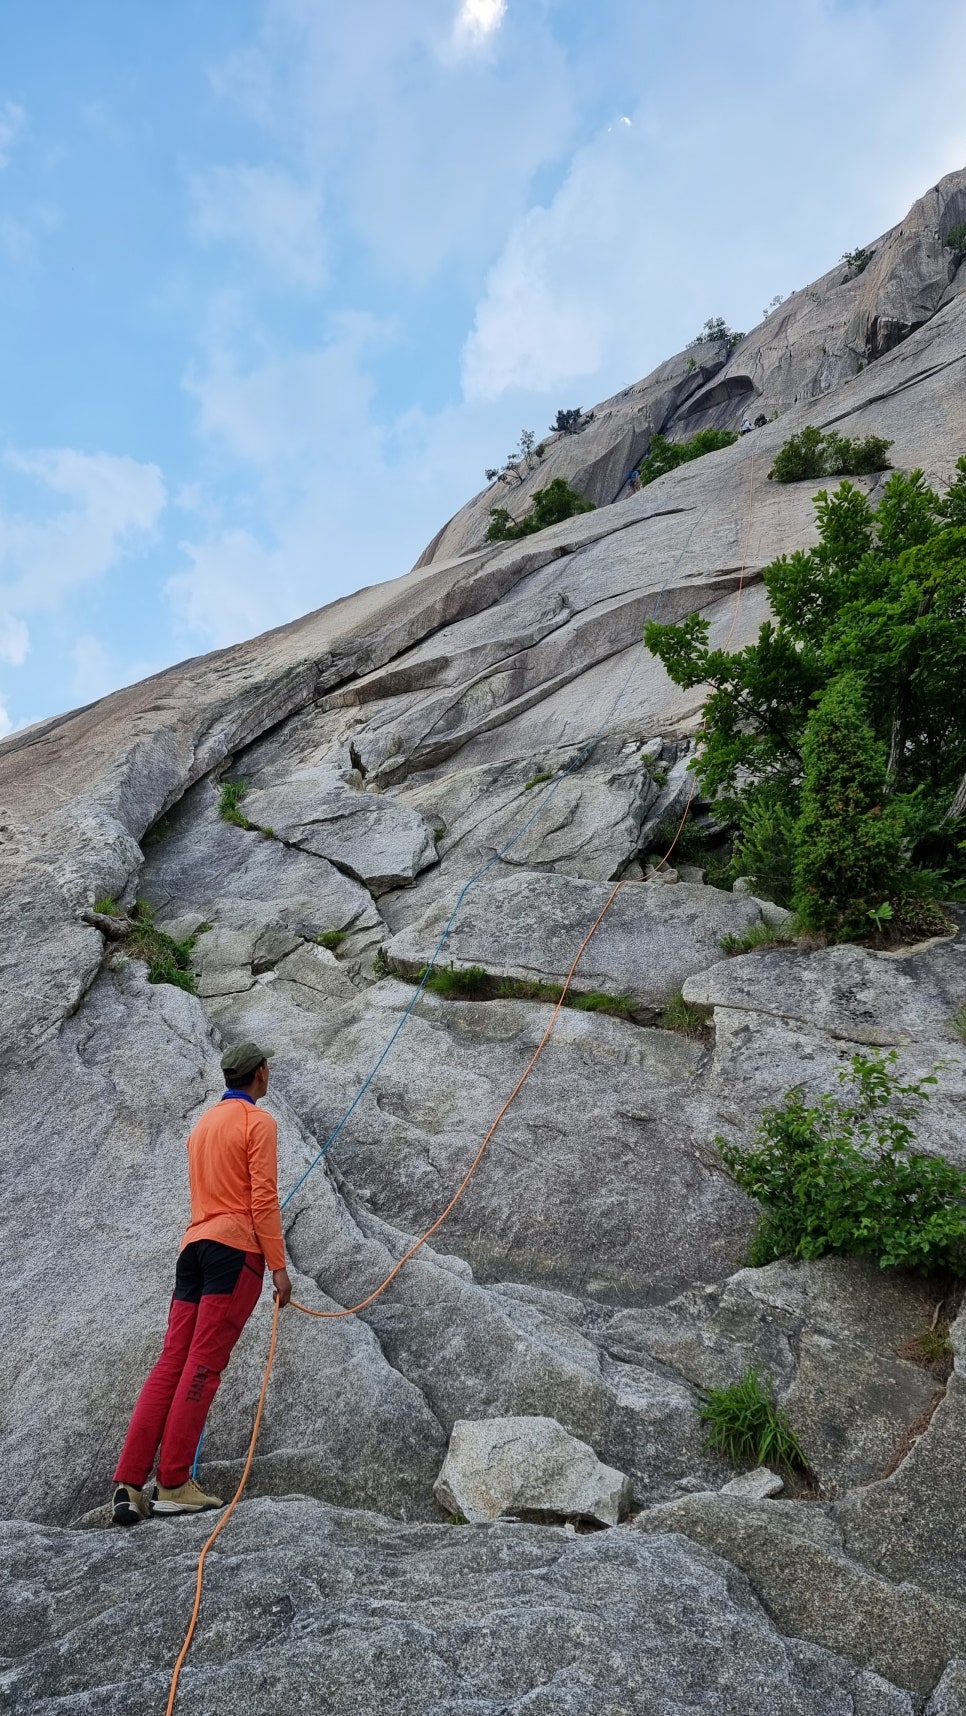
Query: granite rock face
[[317, 1609], [485, 733]]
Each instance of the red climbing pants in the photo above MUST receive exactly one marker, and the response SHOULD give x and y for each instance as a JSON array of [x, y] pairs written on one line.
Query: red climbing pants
[[216, 1290]]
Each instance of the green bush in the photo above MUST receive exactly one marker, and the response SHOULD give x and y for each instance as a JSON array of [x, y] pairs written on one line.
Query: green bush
[[879, 605], [551, 505], [857, 261], [840, 1175], [745, 1425], [955, 239], [814, 453], [847, 847], [716, 328], [664, 455]]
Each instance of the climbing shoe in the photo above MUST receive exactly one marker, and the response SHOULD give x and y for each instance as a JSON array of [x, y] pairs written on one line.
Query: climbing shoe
[[129, 1505], [189, 1497]]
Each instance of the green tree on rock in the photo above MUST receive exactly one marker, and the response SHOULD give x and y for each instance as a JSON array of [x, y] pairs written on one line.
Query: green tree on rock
[[847, 845], [550, 506], [879, 604]]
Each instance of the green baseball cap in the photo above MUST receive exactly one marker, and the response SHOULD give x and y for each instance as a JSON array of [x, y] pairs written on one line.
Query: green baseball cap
[[241, 1060]]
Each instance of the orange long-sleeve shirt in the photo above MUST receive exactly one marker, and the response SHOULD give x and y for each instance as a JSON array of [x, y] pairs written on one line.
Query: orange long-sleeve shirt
[[233, 1175]]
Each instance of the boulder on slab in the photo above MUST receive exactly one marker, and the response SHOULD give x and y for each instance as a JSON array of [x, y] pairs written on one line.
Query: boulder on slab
[[501, 1467]]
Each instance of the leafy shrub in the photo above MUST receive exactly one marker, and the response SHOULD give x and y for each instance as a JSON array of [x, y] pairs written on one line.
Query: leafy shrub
[[857, 261], [812, 454], [664, 455], [716, 328], [879, 605], [537, 780], [550, 506], [232, 793], [955, 240], [841, 1175], [746, 1426]]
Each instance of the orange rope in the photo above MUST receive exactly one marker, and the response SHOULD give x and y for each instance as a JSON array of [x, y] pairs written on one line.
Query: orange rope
[[377, 1292]]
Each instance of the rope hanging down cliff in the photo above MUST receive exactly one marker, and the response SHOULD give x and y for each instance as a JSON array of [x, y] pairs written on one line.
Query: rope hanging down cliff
[[352, 1310]]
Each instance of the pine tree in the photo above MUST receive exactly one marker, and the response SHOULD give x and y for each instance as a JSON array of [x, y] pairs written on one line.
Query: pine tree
[[848, 847]]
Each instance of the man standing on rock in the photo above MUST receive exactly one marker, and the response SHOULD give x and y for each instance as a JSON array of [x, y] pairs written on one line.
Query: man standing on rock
[[236, 1228]]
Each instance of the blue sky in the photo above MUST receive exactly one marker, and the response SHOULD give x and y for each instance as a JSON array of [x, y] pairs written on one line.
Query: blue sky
[[278, 278]]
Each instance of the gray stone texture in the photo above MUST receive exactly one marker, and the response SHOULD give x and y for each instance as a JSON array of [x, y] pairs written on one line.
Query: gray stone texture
[[346, 1614]]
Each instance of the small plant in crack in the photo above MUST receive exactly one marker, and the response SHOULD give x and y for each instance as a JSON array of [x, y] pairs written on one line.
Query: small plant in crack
[[538, 780], [108, 907], [468, 984], [167, 959], [331, 939], [621, 1006], [689, 1018], [379, 966], [759, 935], [232, 793], [745, 1425]]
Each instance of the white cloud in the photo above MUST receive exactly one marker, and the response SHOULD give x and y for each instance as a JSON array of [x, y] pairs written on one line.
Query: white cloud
[[264, 211], [477, 21], [14, 640], [12, 120], [89, 510], [424, 152]]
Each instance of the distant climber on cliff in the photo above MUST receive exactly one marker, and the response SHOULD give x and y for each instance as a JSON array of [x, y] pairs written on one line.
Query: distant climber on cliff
[[236, 1228], [745, 426]]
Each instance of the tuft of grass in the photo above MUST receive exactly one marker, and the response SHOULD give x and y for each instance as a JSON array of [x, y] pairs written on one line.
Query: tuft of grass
[[167, 960], [757, 936], [746, 1426], [330, 939], [622, 1006], [379, 966], [267, 832], [469, 984], [958, 1021], [538, 780], [232, 793], [439, 831], [108, 906], [689, 1018], [527, 989]]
